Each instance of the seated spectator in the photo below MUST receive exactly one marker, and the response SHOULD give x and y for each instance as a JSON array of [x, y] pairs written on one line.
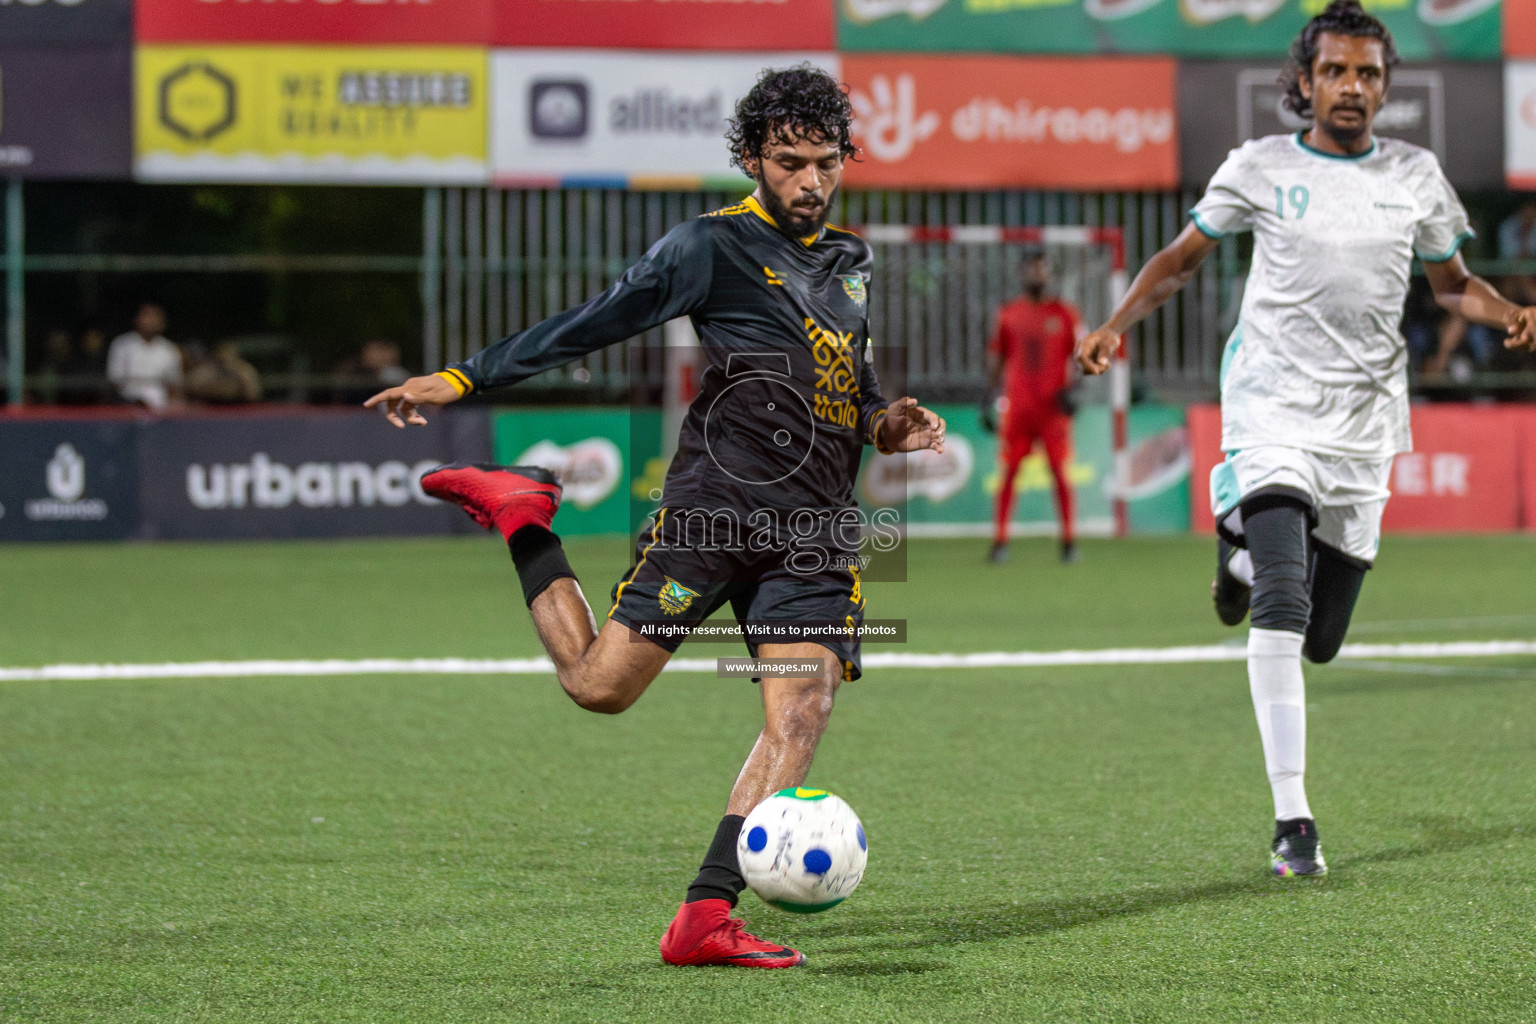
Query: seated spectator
[[143, 364], [376, 367], [85, 375], [224, 378], [48, 380]]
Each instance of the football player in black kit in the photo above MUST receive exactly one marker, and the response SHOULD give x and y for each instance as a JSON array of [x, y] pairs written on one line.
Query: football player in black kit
[[758, 505]]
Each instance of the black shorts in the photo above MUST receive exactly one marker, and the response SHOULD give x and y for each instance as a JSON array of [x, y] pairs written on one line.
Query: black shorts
[[670, 589]]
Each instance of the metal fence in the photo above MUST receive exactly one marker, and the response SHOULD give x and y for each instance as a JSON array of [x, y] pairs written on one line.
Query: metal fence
[[497, 261]]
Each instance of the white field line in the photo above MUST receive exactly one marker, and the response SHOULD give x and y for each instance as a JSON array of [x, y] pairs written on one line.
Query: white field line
[[876, 660]]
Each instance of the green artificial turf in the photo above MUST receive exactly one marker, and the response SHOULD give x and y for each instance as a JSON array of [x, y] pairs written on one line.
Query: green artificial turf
[[1071, 844]]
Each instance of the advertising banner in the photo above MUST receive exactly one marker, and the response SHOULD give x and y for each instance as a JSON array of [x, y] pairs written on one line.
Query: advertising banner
[[1520, 123], [312, 475], [1423, 29], [65, 110], [1454, 110], [67, 480], [1000, 122], [668, 24], [954, 493], [66, 21], [591, 450], [1519, 29], [1524, 426], [316, 21], [1464, 474], [628, 119], [311, 114]]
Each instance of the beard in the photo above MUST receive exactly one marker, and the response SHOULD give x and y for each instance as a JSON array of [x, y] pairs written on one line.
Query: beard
[[1347, 134], [794, 223]]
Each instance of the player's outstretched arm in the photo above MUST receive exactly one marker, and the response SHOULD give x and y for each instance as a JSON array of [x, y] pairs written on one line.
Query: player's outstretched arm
[[1460, 291], [908, 427], [1163, 275], [402, 404]]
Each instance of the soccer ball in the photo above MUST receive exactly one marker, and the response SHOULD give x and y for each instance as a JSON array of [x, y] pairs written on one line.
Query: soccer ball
[[802, 850]]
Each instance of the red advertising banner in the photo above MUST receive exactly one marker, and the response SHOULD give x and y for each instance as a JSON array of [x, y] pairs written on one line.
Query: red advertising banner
[[1525, 427], [1010, 122], [1204, 423], [1472, 470], [1519, 28], [797, 25], [1463, 475], [318, 21]]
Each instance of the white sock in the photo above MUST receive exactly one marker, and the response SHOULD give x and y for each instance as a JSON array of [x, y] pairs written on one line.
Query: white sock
[[1240, 565], [1280, 704]]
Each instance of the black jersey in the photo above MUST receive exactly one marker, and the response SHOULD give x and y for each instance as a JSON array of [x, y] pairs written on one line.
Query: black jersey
[[788, 396]]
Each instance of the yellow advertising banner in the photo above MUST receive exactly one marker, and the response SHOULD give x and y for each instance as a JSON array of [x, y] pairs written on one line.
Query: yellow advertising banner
[[398, 114]]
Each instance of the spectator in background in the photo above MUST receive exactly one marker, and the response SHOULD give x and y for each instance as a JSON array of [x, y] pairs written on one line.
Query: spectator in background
[[1517, 241], [375, 367], [48, 381], [143, 364], [224, 378], [85, 375], [1463, 348]]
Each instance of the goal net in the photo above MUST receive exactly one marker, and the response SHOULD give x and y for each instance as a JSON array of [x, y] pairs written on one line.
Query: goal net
[[933, 300]]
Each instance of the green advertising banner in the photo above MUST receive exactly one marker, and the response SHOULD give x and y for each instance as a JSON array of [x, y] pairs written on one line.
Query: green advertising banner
[[1423, 29], [953, 494], [604, 457], [610, 461]]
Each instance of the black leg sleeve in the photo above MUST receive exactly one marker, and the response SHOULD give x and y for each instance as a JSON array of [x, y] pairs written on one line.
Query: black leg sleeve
[[539, 559], [1277, 531], [720, 874], [1336, 582]]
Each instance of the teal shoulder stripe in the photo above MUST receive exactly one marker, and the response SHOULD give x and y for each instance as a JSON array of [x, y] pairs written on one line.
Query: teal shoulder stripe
[[1461, 240], [1205, 229]]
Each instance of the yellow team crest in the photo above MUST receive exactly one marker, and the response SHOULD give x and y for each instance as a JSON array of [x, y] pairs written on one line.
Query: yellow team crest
[[853, 284], [675, 598]]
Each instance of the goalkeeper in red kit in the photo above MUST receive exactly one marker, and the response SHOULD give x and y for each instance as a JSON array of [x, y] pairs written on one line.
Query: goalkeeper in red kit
[[1030, 355]]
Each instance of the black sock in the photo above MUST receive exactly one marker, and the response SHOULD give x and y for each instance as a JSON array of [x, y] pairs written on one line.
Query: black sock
[[1295, 827], [720, 874], [540, 560]]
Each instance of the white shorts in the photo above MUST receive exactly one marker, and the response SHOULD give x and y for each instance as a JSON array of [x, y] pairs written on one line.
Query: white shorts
[[1348, 495]]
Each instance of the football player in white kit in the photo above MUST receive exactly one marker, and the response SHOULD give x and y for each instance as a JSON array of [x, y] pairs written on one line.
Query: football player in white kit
[[1314, 386]]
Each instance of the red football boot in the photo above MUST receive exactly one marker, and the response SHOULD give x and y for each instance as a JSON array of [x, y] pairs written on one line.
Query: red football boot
[[506, 497], [705, 933]]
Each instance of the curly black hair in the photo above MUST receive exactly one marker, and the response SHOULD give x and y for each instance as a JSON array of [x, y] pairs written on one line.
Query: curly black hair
[[802, 102], [1342, 18]]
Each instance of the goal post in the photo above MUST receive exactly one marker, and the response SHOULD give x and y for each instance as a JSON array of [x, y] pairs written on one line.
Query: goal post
[[934, 275]]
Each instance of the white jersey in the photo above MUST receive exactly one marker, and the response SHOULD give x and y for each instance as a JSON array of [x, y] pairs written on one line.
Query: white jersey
[[1317, 361]]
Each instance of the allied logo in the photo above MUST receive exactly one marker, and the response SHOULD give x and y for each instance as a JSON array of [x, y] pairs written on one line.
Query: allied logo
[[853, 284], [559, 109], [675, 598]]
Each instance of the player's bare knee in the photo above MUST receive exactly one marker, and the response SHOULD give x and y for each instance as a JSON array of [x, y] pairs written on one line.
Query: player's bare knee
[[803, 718], [596, 693], [600, 698]]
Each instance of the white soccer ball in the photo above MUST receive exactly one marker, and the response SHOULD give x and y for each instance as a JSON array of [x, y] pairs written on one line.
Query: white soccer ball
[[802, 850]]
